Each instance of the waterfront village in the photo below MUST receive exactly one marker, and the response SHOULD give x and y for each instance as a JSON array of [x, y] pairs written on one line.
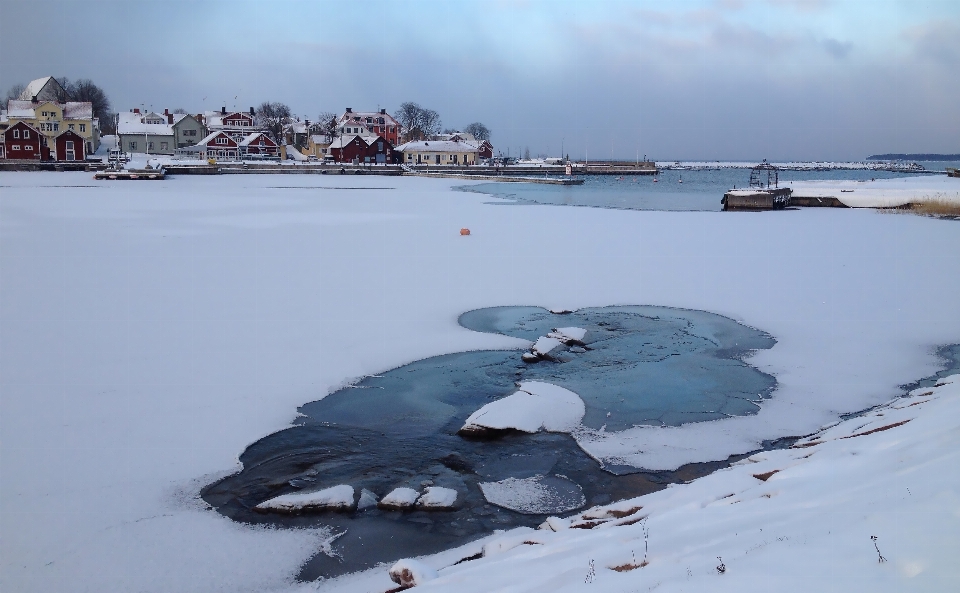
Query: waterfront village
[[40, 126]]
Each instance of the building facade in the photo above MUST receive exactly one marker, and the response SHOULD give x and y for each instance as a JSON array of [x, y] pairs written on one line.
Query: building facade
[[51, 119], [379, 123], [439, 152]]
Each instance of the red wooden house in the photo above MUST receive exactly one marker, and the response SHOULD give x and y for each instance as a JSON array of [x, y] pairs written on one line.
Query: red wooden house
[[70, 146], [218, 145], [363, 149], [23, 141], [259, 143], [377, 123]]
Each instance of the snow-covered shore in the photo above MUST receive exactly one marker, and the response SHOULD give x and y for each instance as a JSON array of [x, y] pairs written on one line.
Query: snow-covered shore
[[798, 519], [151, 332], [883, 193]]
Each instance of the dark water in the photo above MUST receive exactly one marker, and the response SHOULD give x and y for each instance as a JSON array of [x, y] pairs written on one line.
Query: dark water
[[700, 189], [639, 365]]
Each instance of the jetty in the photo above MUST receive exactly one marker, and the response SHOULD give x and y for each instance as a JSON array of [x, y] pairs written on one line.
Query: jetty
[[763, 193], [131, 174]]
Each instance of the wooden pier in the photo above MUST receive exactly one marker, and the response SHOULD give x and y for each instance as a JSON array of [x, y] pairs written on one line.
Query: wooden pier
[[757, 199]]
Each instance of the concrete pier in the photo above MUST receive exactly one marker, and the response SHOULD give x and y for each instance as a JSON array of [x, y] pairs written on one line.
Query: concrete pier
[[757, 199]]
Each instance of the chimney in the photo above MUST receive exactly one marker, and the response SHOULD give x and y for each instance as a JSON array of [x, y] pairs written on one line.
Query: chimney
[[223, 110], [33, 99], [166, 111], [136, 110], [169, 118], [252, 112], [349, 109], [383, 112], [199, 118]]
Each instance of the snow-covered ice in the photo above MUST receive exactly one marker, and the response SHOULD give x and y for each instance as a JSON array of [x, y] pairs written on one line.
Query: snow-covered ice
[[399, 498], [151, 332], [883, 193], [537, 495], [333, 498], [533, 407], [437, 497]]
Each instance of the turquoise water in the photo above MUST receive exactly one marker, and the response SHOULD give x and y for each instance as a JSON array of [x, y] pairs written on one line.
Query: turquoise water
[[700, 190], [637, 365]]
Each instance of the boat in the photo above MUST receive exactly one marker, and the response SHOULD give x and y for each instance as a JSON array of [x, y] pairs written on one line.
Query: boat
[[953, 172]]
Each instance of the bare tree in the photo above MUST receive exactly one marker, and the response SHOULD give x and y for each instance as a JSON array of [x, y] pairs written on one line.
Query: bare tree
[[478, 130], [526, 153], [417, 122], [14, 93], [273, 116], [179, 110], [327, 124], [85, 90]]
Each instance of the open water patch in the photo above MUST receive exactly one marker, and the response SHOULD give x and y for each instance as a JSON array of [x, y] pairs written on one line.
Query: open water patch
[[632, 365]]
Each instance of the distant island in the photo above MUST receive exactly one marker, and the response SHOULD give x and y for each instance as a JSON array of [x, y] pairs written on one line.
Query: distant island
[[914, 157]]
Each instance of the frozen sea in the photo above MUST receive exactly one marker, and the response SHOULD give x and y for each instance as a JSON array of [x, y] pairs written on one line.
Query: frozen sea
[[151, 332]]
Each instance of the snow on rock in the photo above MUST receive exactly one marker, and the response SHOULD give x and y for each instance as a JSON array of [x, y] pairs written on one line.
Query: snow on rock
[[337, 498], [533, 407], [410, 573], [544, 345], [437, 498], [538, 495], [555, 524], [568, 334], [399, 498], [367, 499]]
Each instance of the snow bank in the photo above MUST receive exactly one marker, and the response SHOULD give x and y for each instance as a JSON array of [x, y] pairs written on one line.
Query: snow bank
[[399, 498], [533, 407], [883, 193], [339, 498], [539, 495], [437, 498]]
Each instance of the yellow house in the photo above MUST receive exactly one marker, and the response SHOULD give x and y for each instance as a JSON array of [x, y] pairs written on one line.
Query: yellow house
[[318, 146], [439, 152], [52, 119]]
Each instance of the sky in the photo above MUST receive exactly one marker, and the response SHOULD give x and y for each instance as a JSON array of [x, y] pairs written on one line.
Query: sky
[[697, 80]]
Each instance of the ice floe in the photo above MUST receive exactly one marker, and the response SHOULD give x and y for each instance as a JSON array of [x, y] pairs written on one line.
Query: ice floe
[[538, 495], [533, 407], [338, 498]]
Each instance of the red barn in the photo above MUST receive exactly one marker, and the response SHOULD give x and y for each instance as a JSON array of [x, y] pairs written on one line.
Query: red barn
[[70, 146], [23, 141]]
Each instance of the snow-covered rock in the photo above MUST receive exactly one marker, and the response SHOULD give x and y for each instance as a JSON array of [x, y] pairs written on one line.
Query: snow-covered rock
[[337, 498], [533, 407], [568, 334], [410, 573], [544, 345], [437, 498], [399, 498]]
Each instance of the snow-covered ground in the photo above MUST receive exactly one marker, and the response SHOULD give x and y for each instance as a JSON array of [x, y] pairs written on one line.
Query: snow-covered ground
[[883, 193], [149, 332]]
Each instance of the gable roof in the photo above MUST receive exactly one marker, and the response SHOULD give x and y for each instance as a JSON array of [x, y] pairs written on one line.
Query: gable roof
[[343, 141], [361, 118], [212, 135], [132, 123], [255, 136], [438, 146], [42, 88], [71, 109]]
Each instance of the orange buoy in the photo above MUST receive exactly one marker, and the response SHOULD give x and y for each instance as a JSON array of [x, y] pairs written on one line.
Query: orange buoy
[[464, 232]]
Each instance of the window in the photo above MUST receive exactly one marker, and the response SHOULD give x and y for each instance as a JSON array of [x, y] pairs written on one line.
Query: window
[[379, 146], [15, 147], [26, 134], [56, 126], [69, 145], [149, 145], [163, 146], [44, 114], [132, 145], [83, 127], [70, 126], [16, 133], [28, 146], [221, 140]]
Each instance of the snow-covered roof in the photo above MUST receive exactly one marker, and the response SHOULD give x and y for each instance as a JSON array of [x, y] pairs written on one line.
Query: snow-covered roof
[[251, 138], [132, 123], [71, 109], [363, 115], [206, 140], [437, 146], [346, 139], [320, 139], [36, 89]]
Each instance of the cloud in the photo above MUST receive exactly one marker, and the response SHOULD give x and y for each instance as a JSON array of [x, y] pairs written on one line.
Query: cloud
[[803, 5], [939, 41], [837, 49]]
